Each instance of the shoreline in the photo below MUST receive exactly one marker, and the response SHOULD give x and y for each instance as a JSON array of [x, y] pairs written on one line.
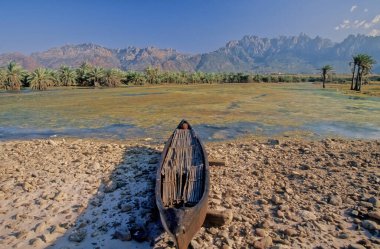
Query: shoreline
[[283, 192]]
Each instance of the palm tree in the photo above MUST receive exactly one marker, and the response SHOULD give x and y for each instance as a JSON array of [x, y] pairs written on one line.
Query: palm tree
[[325, 70], [67, 76], [82, 74], [3, 77], [152, 74], [112, 77], [96, 76], [40, 79], [135, 78], [353, 64], [13, 76], [364, 67]]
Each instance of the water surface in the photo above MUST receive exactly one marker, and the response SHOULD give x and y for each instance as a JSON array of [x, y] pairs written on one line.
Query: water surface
[[218, 112]]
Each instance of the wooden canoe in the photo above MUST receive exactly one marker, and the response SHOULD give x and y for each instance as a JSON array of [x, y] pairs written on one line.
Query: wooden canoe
[[182, 185]]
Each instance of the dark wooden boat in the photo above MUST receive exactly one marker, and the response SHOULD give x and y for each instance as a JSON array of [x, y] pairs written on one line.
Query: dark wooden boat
[[182, 185]]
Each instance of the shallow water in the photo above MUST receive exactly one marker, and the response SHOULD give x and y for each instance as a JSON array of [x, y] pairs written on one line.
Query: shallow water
[[217, 112]]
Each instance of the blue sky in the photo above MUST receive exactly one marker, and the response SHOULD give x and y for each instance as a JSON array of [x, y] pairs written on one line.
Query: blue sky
[[186, 25]]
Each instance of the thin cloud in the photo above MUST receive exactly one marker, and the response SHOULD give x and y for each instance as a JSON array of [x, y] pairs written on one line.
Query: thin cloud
[[374, 32], [376, 19], [363, 25], [366, 10], [353, 8]]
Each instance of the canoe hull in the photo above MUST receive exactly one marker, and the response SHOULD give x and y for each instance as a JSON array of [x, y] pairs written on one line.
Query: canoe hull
[[184, 222]]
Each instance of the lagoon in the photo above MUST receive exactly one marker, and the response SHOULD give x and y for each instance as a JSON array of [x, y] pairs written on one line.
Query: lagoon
[[218, 112]]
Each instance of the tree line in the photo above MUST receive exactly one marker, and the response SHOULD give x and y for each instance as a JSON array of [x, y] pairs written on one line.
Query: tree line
[[14, 77]]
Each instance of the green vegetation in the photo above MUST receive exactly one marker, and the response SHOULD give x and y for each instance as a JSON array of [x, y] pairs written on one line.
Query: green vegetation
[[325, 70], [362, 65], [154, 109], [13, 77], [40, 79]]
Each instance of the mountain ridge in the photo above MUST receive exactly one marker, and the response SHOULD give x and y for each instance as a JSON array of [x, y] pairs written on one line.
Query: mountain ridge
[[283, 54]]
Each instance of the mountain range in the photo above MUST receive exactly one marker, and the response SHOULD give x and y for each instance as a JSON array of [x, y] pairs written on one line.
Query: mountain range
[[284, 54]]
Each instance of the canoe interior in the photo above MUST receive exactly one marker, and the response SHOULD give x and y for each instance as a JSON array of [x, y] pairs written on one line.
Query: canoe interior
[[183, 169]]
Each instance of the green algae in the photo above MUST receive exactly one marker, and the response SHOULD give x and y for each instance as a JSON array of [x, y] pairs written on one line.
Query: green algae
[[158, 109]]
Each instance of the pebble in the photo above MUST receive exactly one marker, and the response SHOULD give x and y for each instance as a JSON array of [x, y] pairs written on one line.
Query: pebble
[[374, 201], [47, 238], [277, 200], [36, 242], [356, 246], [110, 186], [78, 235], [375, 215], [366, 204], [263, 243], [369, 224], [261, 232], [40, 227], [153, 160], [123, 235], [291, 232], [307, 215], [335, 200], [343, 236], [125, 206]]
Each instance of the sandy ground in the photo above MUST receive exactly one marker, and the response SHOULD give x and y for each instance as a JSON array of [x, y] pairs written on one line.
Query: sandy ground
[[283, 194]]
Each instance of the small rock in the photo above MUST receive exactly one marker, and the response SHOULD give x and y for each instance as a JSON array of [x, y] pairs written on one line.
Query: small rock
[[335, 200], [219, 217], [374, 201], [58, 229], [355, 213], [40, 227], [375, 215], [125, 206], [305, 167], [365, 204], [51, 142], [263, 243], [280, 214], [47, 238], [289, 191], [273, 142], [78, 235], [277, 200], [36, 242], [225, 246], [356, 246], [110, 186], [27, 187], [139, 234], [123, 235], [369, 224], [195, 244], [263, 201], [307, 215], [265, 224], [291, 232], [343, 236], [261, 232], [153, 160], [95, 166]]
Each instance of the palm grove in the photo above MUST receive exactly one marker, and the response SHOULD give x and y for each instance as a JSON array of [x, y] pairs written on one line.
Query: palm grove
[[14, 77]]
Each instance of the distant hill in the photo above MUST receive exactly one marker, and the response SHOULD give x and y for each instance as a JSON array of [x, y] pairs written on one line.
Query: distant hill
[[294, 54]]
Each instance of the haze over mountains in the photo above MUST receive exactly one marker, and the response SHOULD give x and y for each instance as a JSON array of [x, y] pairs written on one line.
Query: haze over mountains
[[295, 54]]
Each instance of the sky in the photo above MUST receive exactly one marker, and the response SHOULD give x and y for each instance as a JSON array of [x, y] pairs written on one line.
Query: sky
[[191, 26]]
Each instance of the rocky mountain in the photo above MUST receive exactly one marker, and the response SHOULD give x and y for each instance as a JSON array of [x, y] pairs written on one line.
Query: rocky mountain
[[294, 54]]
